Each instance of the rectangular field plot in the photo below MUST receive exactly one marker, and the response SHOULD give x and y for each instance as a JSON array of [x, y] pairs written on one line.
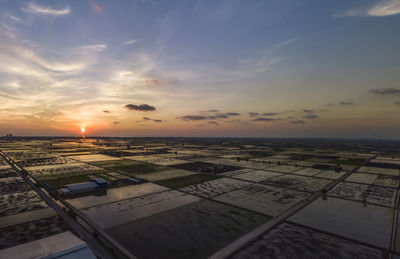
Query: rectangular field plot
[[307, 171], [131, 167], [167, 174], [22, 233], [24, 216], [388, 181], [60, 169], [180, 182], [267, 200], [93, 158], [369, 224], [19, 209], [215, 187], [121, 212], [193, 231], [53, 160], [330, 174], [284, 168], [166, 161], [297, 182], [370, 193], [256, 176], [16, 185], [116, 194], [293, 241], [15, 198], [236, 172], [379, 170], [361, 178], [208, 168]]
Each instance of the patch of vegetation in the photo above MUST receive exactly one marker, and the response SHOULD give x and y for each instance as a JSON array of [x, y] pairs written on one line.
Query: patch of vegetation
[[60, 182], [46, 177], [130, 167], [180, 182]]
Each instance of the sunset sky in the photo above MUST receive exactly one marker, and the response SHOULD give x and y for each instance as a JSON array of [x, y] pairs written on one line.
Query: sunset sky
[[307, 68]]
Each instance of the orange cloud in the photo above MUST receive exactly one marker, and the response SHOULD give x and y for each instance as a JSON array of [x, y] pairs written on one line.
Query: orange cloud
[[96, 7]]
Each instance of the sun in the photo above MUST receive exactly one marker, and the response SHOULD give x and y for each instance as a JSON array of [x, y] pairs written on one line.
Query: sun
[[83, 130]]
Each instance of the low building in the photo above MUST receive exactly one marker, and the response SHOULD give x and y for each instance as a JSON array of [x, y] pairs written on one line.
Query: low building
[[92, 185]]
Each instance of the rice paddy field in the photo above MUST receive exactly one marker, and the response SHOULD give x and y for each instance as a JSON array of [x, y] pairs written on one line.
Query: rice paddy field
[[195, 199]]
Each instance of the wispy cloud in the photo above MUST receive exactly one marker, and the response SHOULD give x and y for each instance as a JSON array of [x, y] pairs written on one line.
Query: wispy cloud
[[214, 123], [203, 117], [149, 119], [253, 114], [380, 9], [233, 114], [385, 91], [46, 10], [347, 103], [266, 119], [96, 7], [270, 113], [193, 117], [308, 111], [129, 42], [310, 116], [95, 47], [298, 122]]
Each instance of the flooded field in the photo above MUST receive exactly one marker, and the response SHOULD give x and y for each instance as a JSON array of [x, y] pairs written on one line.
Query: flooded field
[[192, 231]]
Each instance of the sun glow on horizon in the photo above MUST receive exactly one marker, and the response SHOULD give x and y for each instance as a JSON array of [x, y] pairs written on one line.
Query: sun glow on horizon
[[83, 130]]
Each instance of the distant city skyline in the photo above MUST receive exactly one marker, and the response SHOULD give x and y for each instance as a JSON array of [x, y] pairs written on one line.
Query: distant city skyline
[[201, 68]]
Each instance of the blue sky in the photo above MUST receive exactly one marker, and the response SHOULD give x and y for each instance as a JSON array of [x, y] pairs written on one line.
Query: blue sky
[[71, 64]]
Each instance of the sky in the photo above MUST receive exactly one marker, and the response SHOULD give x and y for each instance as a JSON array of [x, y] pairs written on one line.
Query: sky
[[228, 68]]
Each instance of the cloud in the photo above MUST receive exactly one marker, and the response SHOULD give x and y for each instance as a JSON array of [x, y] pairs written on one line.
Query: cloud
[[213, 122], [116, 122], [310, 116], [233, 114], [308, 111], [148, 119], [218, 116], [141, 107], [386, 8], [252, 114], [298, 122], [385, 91], [204, 117], [266, 119], [346, 103], [153, 82], [129, 42], [397, 103], [96, 7], [194, 117], [270, 113], [213, 110], [96, 47], [380, 9], [106, 111], [46, 10]]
